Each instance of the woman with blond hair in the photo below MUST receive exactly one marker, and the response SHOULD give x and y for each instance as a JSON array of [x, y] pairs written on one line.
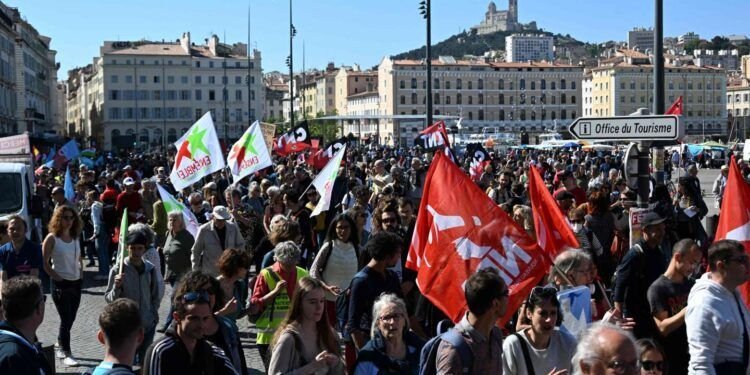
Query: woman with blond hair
[[305, 342], [523, 217], [63, 262]]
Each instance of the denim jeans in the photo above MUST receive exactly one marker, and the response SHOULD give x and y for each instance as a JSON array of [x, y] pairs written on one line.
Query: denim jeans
[[102, 251], [67, 297]]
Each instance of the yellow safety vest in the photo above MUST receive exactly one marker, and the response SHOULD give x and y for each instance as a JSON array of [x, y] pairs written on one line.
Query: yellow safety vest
[[276, 310]]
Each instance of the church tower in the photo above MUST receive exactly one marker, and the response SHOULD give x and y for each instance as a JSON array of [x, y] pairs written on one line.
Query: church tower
[[512, 11]]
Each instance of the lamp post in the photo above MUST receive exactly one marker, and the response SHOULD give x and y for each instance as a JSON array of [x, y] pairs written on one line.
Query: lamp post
[[290, 63], [424, 10]]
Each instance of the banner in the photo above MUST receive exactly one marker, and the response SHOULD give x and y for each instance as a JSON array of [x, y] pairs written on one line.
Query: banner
[[459, 230], [323, 182], [198, 154], [319, 159], [269, 131], [553, 233], [433, 138], [479, 159], [636, 216], [249, 154], [173, 205], [16, 144], [70, 192], [295, 140], [575, 308]]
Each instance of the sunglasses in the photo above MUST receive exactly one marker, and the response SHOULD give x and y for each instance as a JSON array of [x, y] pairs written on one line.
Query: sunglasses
[[651, 365], [195, 296]]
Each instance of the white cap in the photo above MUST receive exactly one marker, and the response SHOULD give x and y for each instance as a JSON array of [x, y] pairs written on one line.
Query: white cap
[[128, 181]]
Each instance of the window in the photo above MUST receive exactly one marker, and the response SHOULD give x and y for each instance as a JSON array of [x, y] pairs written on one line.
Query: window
[[480, 85], [447, 99], [156, 113], [224, 80], [128, 79], [402, 84], [510, 85], [501, 84], [211, 95], [413, 83], [436, 83], [237, 114], [458, 99], [522, 84], [471, 100], [553, 115], [424, 85], [413, 98], [459, 84], [142, 79], [552, 85], [199, 113], [573, 85], [501, 99], [471, 115], [211, 80], [143, 113], [562, 84], [573, 115], [184, 94], [403, 98], [502, 115], [114, 114], [170, 79], [543, 84], [480, 99], [533, 114], [113, 79], [198, 80], [533, 85], [447, 85], [157, 94], [210, 64], [238, 80], [511, 99], [480, 115], [114, 94], [157, 79], [523, 115], [238, 95], [554, 98], [437, 99], [563, 114], [469, 84], [171, 95]]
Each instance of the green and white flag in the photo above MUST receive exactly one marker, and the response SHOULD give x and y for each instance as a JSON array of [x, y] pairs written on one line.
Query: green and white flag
[[173, 205], [249, 154], [198, 154], [122, 245], [323, 182]]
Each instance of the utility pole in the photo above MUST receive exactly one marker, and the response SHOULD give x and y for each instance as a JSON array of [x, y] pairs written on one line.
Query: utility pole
[[249, 69], [290, 62], [657, 152], [425, 11]]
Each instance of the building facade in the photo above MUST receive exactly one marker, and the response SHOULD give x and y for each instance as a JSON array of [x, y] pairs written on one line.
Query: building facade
[[28, 77], [621, 88], [274, 105], [352, 81], [500, 20], [363, 108], [641, 39], [688, 37], [534, 97], [148, 94], [530, 47]]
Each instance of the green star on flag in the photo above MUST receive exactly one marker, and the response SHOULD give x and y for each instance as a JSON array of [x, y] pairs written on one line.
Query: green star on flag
[[249, 154], [195, 140], [173, 205], [198, 154]]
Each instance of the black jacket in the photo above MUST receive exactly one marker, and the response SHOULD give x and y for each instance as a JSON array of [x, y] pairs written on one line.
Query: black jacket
[[170, 356], [374, 351], [17, 356]]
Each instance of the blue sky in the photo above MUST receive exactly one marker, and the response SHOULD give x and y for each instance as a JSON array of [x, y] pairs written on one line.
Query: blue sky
[[349, 31]]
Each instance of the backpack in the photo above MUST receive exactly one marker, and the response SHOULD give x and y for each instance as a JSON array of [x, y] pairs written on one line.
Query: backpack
[[342, 305], [428, 356]]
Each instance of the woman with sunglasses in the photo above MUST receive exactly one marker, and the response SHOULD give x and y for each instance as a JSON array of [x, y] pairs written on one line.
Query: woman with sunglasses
[[63, 262], [541, 348], [138, 280], [651, 358], [305, 342], [337, 261], [219, 330]]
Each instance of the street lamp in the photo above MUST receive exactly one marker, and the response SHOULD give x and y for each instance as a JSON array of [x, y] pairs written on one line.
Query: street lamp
[[424, 10], [290, 63]]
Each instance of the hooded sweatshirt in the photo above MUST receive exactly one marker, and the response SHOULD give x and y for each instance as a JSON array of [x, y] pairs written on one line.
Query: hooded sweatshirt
[[143, 288], [714, 326]]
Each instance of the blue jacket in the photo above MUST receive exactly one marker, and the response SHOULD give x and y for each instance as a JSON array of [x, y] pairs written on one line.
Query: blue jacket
[[374, 352], [18, 356]]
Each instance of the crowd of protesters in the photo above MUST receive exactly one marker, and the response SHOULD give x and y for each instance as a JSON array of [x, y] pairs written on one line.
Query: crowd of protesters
[[331, 293]]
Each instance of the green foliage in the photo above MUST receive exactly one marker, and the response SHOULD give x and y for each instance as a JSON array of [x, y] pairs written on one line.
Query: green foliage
[[326, 129], [692, 46]]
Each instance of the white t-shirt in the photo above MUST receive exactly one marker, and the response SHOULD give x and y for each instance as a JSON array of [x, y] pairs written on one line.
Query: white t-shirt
[[557, 355]]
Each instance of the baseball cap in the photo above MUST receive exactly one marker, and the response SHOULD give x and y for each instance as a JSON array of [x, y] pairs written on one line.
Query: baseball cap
[[221, 213], [128, 181], [651, 218]]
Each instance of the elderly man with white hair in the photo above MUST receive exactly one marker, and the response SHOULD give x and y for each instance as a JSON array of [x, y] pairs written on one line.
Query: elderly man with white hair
[[606, 349]]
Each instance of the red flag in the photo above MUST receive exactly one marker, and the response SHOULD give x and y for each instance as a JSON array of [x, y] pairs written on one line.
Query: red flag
[[734, 221], [459, 230], [553, 234], [675, 108], [294, 140]]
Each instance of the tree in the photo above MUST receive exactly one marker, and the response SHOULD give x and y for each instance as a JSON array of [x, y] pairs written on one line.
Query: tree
[[692, 45], [326, 129]]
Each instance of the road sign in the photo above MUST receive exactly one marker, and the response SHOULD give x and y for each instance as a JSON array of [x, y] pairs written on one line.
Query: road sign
[[646, 128]]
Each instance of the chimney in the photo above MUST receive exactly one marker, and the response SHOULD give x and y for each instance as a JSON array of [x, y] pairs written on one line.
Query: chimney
[[212, 43], [185, 42]]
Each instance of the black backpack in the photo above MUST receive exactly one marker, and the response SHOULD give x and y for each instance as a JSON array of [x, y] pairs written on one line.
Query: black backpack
[[342, 305]]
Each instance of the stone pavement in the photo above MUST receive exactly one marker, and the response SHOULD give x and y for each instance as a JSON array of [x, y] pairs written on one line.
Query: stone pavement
[[84, 344]]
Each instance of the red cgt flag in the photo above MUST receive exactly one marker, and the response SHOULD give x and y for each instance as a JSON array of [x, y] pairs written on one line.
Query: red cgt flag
[[675, 108], [553, 234], [459, 230], [734, 221]]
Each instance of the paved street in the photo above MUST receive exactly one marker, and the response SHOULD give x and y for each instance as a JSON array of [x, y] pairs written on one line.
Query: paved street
[[84, 344]]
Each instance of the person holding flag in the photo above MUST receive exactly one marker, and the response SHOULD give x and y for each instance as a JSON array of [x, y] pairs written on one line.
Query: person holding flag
[[323, 182], [137, 279]]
